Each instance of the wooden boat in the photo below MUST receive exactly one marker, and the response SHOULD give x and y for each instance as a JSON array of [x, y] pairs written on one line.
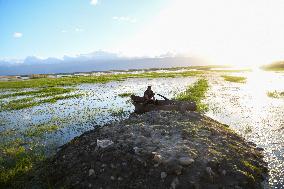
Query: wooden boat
[[169, 105]]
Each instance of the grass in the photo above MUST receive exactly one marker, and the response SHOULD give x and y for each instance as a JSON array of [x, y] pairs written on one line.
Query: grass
[[276, 66], [195, 93], [125, 94], [275, 94], [20, 155], [40, 130], [29, 102], [236, 79], [45, 92], [53, 94], [74, 80]]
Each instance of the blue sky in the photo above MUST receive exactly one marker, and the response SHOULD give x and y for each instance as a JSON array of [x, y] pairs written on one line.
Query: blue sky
[[69, 27], [221, 31]]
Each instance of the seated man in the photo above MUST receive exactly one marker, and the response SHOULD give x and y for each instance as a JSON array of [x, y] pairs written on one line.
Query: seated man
[[149, 95]]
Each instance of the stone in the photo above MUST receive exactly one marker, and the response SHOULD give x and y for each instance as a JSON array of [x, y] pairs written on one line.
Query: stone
[[185, 161], [104, 143], [163, 175], [174, 183], [120, 178], [157, 158], [91, 172]]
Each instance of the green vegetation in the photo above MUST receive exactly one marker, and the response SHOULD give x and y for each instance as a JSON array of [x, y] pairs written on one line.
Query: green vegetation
[[118, 112], [195, 93], [275, 94], [125, 94], [20, 155], [236, 79], [45, 92], [276, 66], [40, 130], [54, 94], [74, 80]]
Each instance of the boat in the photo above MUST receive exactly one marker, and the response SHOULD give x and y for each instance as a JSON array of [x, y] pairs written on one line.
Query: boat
[[142, 106]]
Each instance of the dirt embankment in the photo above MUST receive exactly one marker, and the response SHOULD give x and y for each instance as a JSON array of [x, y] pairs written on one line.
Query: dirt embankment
[[160, 149]]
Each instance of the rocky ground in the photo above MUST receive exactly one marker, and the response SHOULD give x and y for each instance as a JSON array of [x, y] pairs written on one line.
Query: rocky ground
[[161, 149]]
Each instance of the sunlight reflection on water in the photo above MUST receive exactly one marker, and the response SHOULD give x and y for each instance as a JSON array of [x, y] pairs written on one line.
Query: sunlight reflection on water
[[259, 118]]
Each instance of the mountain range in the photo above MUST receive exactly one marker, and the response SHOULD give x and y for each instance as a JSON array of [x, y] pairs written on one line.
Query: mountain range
[[96, 61]]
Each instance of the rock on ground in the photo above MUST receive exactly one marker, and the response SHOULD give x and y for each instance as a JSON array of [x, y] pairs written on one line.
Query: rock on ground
[[162, 149]]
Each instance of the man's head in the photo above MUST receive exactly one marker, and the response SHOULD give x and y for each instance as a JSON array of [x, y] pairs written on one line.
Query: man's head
[[149, 87]]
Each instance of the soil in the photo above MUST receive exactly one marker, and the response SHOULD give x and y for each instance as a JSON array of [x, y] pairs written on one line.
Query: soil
[[160, 149]]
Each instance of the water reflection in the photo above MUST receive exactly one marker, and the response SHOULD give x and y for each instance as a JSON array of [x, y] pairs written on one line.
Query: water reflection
[[259, 118]]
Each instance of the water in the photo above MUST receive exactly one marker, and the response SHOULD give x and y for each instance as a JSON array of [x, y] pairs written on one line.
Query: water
[[245, 107], [254, 115], [100, 104]]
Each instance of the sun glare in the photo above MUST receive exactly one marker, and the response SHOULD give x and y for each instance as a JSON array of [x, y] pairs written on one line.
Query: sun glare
[[246, 33]]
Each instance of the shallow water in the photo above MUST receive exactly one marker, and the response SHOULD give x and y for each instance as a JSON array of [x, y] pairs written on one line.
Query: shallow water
[[243, 106], [100, 104], [259, 118]]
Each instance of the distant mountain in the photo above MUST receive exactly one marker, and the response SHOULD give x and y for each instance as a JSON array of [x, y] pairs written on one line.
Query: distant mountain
[[96, 61]]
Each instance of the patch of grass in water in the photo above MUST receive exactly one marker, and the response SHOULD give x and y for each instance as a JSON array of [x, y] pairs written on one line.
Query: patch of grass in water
[[56, 98], [18, 104], [125, 94], [45, 92], [195, 93], [74, 80], [29, 102], [117, 112], [40, 130], [236, 79], [275, 94]]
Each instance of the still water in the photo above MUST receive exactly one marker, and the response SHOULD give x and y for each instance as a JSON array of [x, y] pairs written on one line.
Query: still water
[[249, 111], [245, 107]]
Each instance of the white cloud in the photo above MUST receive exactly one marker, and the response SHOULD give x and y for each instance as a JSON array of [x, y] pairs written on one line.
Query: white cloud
[[94, 2], [17, 35], [63, 31], [79, 29], [124, 19]]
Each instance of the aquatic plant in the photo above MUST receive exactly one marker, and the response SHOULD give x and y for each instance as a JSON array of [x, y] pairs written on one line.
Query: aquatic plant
[[275, 94], [236, 79], [75, 80], [195, 93], [125, 94]]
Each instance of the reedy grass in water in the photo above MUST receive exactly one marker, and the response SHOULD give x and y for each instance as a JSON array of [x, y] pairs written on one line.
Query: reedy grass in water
[[125, 94], [275, 94], [74, 80], [196, 93], [33, 99], [44, 92], [236, 79]]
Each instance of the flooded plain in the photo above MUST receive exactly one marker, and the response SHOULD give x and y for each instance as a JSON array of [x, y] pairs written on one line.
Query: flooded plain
[[245, 107]]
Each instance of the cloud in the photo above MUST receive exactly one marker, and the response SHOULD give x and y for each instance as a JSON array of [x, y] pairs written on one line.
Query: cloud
[[124, 19], [79, 29], [94, 2], [17, 35], [63, 31]]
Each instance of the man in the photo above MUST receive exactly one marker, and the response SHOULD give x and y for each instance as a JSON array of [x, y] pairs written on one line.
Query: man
[[149, 95]]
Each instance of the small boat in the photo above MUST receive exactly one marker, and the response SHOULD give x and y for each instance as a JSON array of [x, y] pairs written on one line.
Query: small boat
[[141, 106]]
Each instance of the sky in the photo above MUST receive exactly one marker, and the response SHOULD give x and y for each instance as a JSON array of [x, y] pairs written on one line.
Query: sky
[[238, 32]]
